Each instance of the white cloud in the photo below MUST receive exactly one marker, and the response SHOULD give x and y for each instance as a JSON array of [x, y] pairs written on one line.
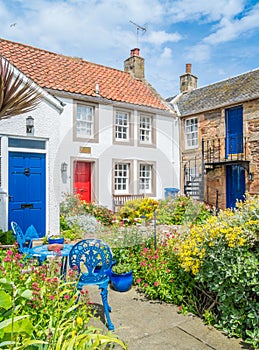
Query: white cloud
[[199, 53], [185, 10], [161, 37], [166, 54], [232, 29]]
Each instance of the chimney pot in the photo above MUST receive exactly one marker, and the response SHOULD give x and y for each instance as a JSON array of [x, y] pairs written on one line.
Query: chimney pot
[[188, 68], [134, 52]]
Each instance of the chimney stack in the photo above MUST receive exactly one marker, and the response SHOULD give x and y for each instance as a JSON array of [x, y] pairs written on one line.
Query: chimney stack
[[188, 81], [135, 64]]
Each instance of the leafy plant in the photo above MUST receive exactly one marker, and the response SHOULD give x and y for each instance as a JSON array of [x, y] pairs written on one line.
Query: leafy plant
[[222, 255], [122, 267], [7, 237], [38, 310], [181, 210], [137, 209], [16, 97]]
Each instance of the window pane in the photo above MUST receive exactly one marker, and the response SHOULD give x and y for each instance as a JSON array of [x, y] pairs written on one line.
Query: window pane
[[145, 129], [85, 121], [121, 177], [122, 126], [145, 178], [191, 133]]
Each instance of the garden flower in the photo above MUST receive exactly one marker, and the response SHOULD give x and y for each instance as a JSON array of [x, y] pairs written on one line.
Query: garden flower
[[138, 280], [156, 284], [7, 259], [66, 296], [79, 321]]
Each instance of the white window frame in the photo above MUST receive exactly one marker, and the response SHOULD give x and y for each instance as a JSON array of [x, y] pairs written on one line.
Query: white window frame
[[145, 129], [145, 178], [121, 177], [85, 122], [122, 126], [191, 133]]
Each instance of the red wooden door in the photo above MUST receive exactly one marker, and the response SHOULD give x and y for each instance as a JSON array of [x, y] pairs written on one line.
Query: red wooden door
[[82, 180]]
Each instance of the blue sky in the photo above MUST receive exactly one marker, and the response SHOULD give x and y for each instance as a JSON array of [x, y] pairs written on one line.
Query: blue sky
[[220, 38]]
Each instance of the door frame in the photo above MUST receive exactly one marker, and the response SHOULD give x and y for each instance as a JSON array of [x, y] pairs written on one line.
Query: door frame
[[35, 152], [229, 183], [228, 152], [94, 176]]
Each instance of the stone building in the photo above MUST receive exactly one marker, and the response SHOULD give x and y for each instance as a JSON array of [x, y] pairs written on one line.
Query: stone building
[[219, 133]]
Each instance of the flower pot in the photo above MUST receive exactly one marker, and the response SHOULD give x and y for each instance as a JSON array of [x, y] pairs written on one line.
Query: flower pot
[[121, 282], [58, 240]]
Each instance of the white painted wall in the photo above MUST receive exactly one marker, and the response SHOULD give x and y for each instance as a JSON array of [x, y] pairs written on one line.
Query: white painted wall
[[166, 153], [46, 127]]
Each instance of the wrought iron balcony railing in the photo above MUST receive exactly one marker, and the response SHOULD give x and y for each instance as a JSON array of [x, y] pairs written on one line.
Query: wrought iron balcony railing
[[223, 150]]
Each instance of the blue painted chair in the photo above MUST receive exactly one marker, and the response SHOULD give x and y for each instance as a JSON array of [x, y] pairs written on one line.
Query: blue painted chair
[[92, 258], [24, 240]]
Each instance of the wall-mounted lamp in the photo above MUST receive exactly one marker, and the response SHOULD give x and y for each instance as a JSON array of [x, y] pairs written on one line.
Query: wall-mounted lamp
[[64, 167], [29, 125], [250, 176]]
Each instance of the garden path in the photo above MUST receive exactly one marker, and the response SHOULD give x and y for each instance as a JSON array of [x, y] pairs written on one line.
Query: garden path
[[153, 325]]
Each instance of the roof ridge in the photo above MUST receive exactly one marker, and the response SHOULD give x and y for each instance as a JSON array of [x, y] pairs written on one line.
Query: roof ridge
[[63, 55], [226, 79]]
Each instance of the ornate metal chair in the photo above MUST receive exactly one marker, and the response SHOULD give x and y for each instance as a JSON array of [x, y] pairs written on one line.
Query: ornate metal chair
[[24, 245], [93, 258]]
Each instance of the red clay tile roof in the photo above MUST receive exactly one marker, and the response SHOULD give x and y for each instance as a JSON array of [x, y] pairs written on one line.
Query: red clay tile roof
[[75, 75]]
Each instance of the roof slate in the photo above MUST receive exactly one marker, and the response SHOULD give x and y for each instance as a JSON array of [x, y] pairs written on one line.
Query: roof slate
[[75, 75], [230, 91]]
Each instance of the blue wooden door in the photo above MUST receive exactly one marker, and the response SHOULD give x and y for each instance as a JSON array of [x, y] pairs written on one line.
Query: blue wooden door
[[234, 130], [27, 190], [235, 181]]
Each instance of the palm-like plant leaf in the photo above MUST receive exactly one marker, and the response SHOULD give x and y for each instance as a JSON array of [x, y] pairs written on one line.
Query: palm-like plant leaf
[[16, 97]]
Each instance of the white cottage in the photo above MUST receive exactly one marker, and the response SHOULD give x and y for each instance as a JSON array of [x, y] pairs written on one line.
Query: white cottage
[[115, 134]]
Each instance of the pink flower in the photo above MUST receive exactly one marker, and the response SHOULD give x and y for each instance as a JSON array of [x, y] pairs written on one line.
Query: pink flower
[[18, 256], [7, 259], [138, 280], [145, 249], [143, 263], [145, 285], [51, 297], [156, 283], [180, 308], [9, 252], [66, 296]]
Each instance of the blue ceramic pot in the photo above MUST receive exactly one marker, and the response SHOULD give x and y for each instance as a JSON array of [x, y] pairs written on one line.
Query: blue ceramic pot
[[53, 240], [121, 282]]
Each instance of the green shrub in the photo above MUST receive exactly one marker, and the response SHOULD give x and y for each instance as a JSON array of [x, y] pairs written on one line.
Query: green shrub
[[6, 237], [136, 209], [38, 309], [222, 254], [181, 210], [72, 206]]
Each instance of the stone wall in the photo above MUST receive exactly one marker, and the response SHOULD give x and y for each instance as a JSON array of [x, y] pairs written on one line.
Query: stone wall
[[212, 126]]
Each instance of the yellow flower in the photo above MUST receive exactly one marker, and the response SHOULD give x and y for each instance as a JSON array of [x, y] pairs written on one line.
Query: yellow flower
[[79, 321]]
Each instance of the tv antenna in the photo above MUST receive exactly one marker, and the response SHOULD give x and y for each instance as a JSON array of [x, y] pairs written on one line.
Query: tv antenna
[[142, 28]]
